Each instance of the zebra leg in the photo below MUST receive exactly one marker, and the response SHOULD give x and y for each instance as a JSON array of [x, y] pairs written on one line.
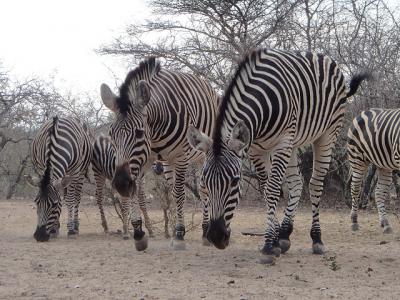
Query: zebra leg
[[78, 195], [100, 182], [381, 194], [322, 158], [295, 185], [358, 170], [262, 165], [70, 203], [125, 209], [166, 221], [142, 205], [206, 218], [280, 160], [139, 236], [178, 193]]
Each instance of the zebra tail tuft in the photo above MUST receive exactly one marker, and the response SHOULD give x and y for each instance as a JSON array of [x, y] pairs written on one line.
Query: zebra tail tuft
[[356, 81]]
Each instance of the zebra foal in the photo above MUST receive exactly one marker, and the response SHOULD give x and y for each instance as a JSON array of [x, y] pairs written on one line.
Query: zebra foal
[[374, 138], [276, 102], [103, 166], [61, 154]]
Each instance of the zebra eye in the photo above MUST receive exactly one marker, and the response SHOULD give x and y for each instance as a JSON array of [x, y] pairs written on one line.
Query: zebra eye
[[139, 133], [235, 181]]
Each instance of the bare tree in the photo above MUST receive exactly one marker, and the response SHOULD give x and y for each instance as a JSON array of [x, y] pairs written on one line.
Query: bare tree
[[208, 38]]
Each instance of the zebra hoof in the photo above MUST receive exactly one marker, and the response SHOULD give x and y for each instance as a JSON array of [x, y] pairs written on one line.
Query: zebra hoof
[[142, 244], [126, 237], [318, 248], [276, 251], [387, 229], [206, 242], [266, 259], [284, 245], [354, 226], [178, 244], [151, 234]]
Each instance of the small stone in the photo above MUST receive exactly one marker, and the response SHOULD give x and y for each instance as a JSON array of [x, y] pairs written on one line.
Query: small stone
[[383, 242], [76, 286], [231, 281]]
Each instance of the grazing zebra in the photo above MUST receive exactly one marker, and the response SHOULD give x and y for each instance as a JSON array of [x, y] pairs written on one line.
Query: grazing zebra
[[276, 102], [153, 112], [61, 153], [374, 138], [103, 165]]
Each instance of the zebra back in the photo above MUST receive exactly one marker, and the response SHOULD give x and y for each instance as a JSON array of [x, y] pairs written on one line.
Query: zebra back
[[374, 137]]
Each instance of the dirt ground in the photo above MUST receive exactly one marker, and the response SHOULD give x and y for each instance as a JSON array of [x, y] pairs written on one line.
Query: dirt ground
[[361, 265]]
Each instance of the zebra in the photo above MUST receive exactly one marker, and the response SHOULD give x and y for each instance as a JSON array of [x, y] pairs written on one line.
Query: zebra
[[103, 166], [153, 112], [277, 101], [61, 154], [374, 138]]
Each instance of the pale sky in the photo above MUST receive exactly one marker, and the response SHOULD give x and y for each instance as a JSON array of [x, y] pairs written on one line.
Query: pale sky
[[45, 37]]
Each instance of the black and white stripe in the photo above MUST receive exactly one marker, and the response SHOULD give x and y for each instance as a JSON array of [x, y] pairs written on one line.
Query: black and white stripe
[[153, 112], [276, 102], [61, 153], [374, 138], [103, 165]]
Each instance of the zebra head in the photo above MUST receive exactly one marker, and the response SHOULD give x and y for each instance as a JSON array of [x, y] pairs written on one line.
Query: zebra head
[[129, 135], [220, 178], [48, 203]]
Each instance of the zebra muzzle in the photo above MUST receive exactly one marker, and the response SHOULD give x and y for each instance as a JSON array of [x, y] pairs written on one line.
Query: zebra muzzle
[[123, 182], [41, 234], [218, 233]]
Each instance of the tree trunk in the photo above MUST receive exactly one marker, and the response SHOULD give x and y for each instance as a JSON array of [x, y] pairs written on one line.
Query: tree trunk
[[13, 185]]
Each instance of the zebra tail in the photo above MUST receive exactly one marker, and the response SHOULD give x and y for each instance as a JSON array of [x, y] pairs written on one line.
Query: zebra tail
[[47, 173], [356, 81]]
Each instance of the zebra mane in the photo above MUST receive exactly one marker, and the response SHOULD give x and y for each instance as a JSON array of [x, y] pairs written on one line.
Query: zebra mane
[[44, 183], [223, 107], [146, 70]]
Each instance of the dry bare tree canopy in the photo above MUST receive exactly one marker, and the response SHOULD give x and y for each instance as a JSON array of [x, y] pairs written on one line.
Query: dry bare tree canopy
[[208, 37]]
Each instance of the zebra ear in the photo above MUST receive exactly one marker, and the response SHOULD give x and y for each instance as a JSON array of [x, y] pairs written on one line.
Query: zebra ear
[[143, 93], [198, 140], [240, 138], [108, 97], [32, 181]]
